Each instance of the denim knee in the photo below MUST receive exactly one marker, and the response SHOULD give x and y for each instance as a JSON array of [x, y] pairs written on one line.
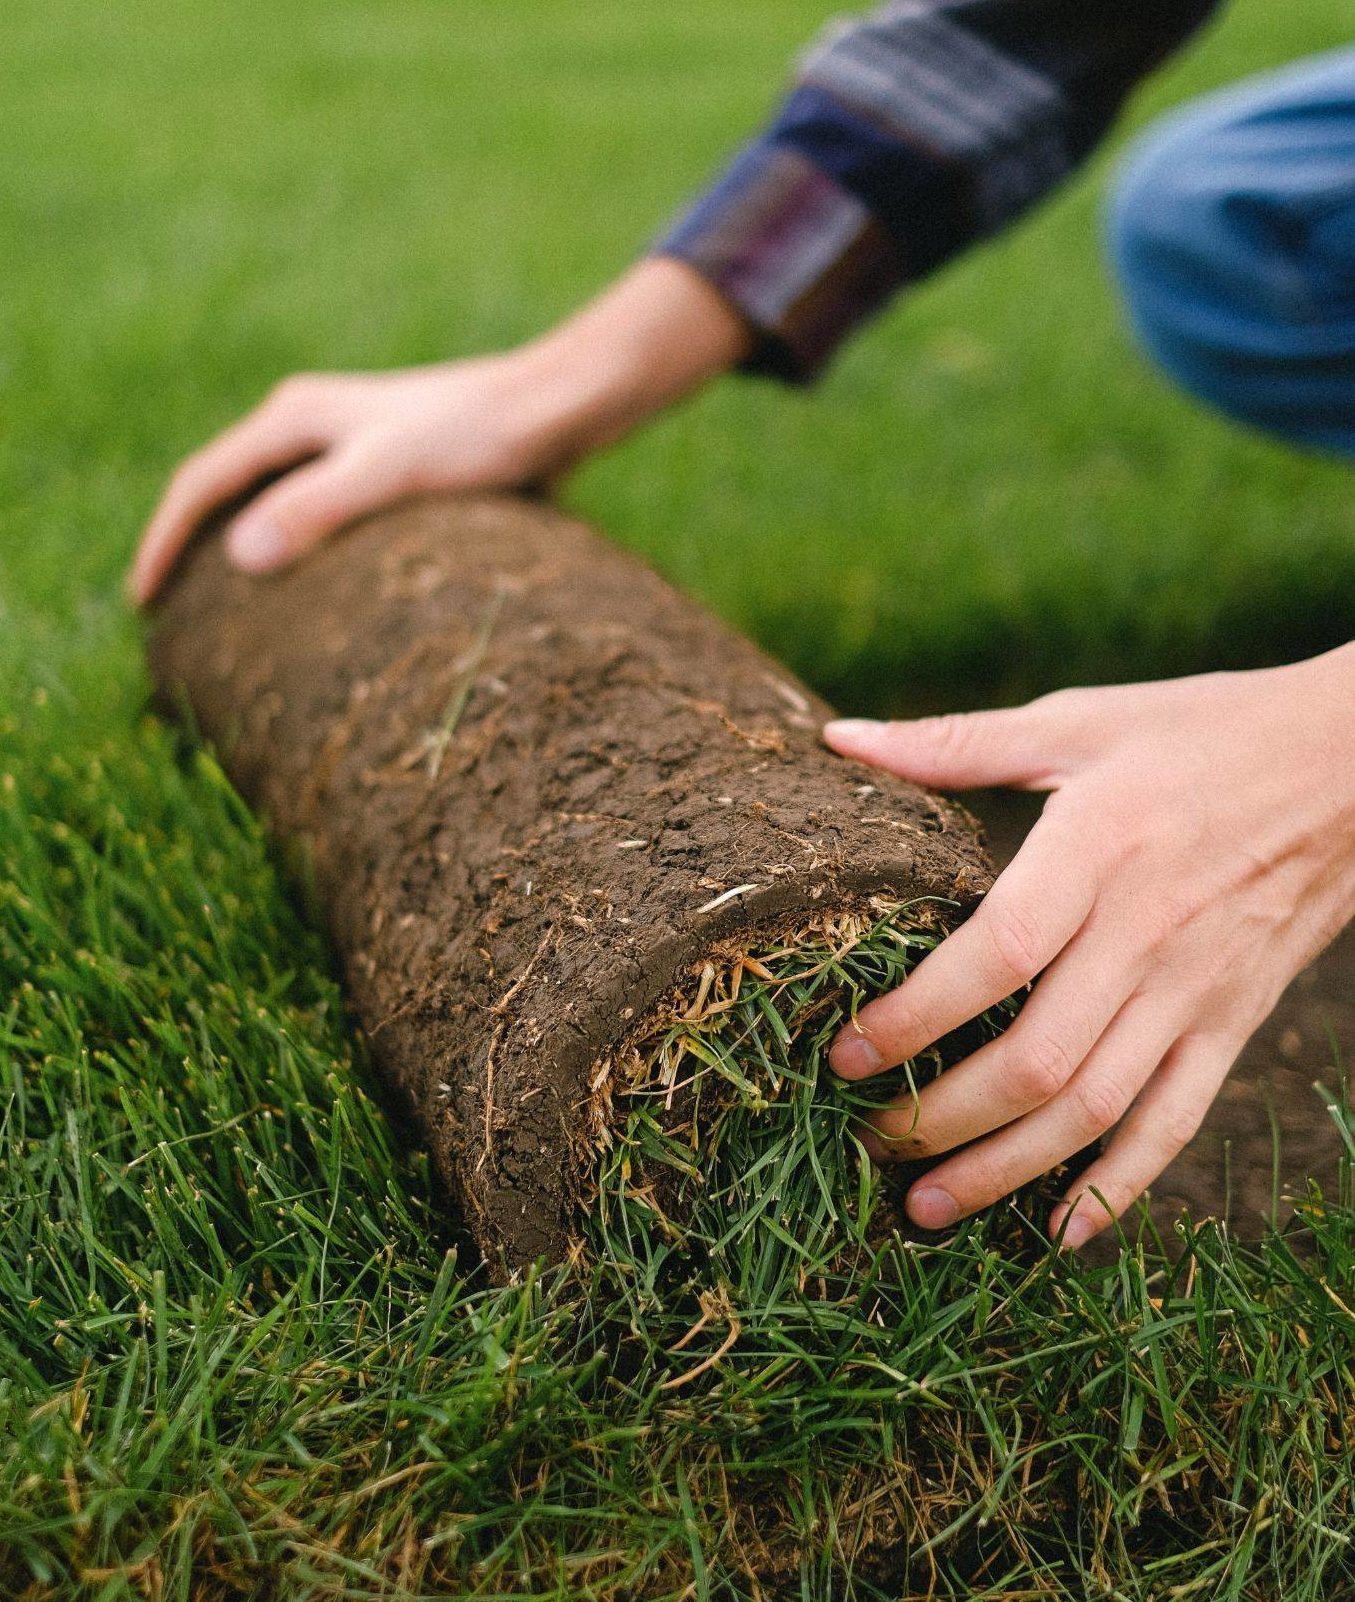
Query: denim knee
[[1203, 293], [1221, 230]]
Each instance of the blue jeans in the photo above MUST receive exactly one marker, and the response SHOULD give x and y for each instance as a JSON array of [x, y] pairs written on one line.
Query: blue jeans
[[1233, 232]]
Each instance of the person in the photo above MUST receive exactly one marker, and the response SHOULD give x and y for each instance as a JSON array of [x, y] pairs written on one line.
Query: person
[[1198, 845]]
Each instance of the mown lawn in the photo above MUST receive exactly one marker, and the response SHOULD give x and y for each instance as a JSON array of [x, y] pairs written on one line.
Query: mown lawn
[[236, 1359]]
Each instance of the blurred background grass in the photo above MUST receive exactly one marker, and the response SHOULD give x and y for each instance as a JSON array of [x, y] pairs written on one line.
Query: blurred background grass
[[991, 495]]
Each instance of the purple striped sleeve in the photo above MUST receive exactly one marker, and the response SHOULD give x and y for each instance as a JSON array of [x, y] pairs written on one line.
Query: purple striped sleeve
[[910, 134], [801, 257]]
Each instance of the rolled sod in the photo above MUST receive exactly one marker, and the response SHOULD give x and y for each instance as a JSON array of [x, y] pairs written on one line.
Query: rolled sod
[[543, 794]]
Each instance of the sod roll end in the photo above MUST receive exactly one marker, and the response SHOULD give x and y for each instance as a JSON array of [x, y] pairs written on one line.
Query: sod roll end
[[540, 790]]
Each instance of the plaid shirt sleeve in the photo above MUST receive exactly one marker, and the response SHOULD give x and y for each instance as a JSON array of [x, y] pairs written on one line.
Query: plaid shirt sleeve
[[908, 135]]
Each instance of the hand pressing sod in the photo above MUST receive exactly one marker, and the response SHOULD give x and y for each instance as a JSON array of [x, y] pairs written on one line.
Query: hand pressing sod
[[1197, 851], [345, 444]]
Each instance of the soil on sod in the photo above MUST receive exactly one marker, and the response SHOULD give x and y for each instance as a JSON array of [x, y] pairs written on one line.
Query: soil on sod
[[1270, 1130], [539, 789]]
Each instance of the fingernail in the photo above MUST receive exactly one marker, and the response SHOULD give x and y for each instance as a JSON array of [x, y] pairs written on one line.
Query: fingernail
[[850, 728], [1079, 1231], [256, 547], [854, 1057], [930, 1207]]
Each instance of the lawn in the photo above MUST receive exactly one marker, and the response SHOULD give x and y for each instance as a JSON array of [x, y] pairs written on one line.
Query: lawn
[[240, 1355]]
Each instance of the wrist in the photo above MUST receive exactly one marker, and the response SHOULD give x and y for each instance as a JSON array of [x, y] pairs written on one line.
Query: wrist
[[655, 336], [1326, 701], [576, 391], [1332, 687], [1343, 704], [554, 399]]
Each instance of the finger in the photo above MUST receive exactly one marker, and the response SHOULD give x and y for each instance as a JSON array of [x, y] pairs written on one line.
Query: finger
[[1028, 747], [1092, 1102], [1027, 918], [1159, 1126], [309, 504], [269, 439], [1071, 1008]]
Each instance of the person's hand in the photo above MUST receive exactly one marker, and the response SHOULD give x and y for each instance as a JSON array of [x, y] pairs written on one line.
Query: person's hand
[[346, 444], [1197, 852]]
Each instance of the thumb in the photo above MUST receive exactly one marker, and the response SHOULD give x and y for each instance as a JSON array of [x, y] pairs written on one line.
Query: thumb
[[1027, 747], [308, 505]]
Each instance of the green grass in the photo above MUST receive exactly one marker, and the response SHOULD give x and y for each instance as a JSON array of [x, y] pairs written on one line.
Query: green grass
[[730, 1173], [239, 1355]]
